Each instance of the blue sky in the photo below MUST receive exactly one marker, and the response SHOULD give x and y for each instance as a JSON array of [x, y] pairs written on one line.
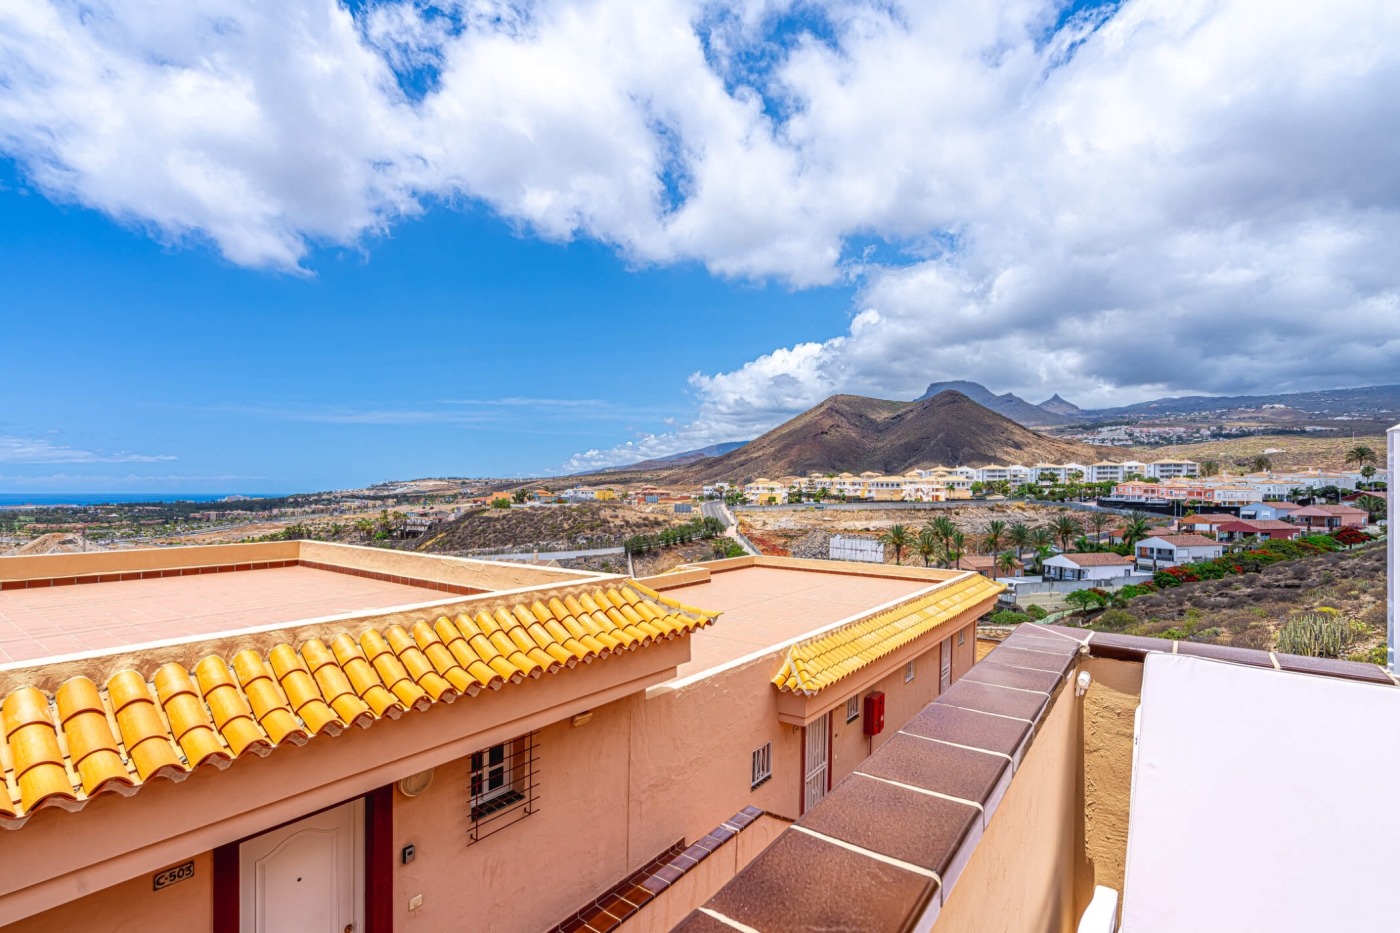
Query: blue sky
[[304, 245], [453, 346]]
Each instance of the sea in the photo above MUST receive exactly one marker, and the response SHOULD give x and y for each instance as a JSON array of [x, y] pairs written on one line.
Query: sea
[[13, 500]]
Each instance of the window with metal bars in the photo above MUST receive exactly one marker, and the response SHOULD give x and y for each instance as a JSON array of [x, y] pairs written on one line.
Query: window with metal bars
[[762, 765], [853, 708], [503, 785], [909, 672]]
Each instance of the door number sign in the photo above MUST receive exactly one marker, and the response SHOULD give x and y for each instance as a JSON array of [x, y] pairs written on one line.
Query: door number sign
[[164, 879]]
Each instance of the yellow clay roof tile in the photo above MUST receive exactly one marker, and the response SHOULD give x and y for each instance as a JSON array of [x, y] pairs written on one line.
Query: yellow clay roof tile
[[819, 662], [93, 738]]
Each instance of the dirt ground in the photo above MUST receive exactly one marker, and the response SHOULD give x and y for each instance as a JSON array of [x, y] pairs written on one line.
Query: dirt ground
[[1248, 610], [1286, 452], [806, 532]]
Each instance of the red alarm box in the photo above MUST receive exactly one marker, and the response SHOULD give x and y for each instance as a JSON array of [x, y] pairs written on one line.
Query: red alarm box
[[875, 713]]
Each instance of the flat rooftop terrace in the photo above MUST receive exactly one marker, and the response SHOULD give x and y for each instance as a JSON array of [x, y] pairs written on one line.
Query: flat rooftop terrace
[[766, 606], [57, 620]]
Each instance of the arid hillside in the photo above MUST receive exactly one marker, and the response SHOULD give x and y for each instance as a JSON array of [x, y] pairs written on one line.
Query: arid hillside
[[1249, 609], [560, 526], [1285, 451], [851, 433]]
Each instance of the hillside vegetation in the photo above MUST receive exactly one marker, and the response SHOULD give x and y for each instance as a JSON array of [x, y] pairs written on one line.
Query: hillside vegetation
[[1249, 610], [562, 527]]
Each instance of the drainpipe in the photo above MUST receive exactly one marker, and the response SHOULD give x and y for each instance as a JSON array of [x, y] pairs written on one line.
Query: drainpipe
[[1392, 438]]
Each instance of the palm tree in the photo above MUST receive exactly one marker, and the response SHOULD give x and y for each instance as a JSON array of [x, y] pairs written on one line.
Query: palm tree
[[1260, 464], [899, 538], [365, 526], [1374, 505], [1136, 527], [1067, 528], [927, 545], [996, 530], [1210, 467], [1019, 537], [1007, 563], [1041, 539], [954, 548], [1239, 546], [1098, 521], [1360, 455], [943, 529]]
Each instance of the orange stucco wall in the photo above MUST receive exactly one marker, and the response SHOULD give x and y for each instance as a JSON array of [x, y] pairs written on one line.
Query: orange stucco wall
[[1109, 705], [1021, 877], [134, 906]]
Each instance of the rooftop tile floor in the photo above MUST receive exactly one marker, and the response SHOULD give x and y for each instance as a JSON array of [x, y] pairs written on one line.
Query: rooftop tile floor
[[765, 606], [42, 623]]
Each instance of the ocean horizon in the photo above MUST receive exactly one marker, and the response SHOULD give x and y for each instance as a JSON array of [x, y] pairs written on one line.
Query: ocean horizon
[[21, 499]]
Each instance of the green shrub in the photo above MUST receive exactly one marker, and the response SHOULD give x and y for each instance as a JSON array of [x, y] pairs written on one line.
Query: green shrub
[[500, 503], [1036, 612], [1315, 635], [1007, 617], [1376, 655], [1114, 620]]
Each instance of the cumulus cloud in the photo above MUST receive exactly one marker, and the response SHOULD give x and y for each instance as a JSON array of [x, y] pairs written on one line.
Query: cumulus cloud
[[1154, 196], [37, 450]]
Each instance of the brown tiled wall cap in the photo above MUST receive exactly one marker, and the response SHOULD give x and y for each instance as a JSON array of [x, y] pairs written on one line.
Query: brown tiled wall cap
[[1137, 647], [117, 736], [819, 662], [884, 848], [615, 905]]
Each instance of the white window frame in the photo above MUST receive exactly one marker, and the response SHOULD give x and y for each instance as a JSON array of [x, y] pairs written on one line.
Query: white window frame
[[962, 636], [761, 768], [504, 770], [909, 671], [853, 708]]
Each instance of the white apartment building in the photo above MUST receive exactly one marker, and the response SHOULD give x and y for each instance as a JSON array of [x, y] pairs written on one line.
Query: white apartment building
[[925, 490], [763, 491], [1061, 471], [579, 494], [1015, 474], [1278, 485], [714, 489], [1173, 469]]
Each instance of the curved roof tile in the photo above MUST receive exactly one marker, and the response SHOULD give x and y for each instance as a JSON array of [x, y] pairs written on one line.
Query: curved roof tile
[[90, 739], [820, 661]]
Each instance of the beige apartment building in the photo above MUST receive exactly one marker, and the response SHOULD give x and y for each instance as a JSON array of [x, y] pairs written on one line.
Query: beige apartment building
[[308, 736]]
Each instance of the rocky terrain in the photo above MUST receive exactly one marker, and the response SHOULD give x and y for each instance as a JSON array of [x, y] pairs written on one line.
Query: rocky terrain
[[562, 527]]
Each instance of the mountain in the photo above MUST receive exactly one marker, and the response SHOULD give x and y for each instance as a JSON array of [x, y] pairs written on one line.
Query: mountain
[[1011, 406], [851, 433], [1058, 406], [1378, 402], [689, 456]]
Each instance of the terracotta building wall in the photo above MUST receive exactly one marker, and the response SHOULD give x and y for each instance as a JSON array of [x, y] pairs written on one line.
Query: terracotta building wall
[[134, 905]]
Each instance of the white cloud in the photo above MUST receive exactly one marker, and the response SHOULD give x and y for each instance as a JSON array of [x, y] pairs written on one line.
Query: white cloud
[[1171, 195], [37, 450]]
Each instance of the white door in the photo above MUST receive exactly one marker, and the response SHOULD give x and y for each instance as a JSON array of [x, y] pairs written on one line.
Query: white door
[[817, 755], [945, 665], [307, 877]]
